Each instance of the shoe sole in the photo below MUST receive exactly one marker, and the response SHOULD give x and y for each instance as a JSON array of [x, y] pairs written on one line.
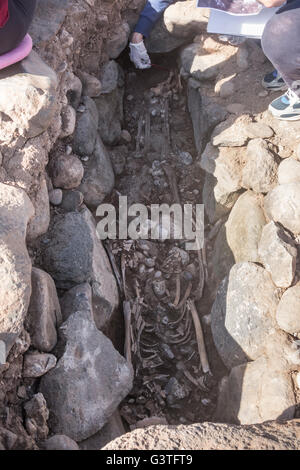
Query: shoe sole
[[267, 87], [295, 117]]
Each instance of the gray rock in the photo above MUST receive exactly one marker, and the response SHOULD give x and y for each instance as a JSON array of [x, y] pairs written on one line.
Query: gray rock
[[72, 200], [200, 63], [55, 197], [179, 24], [39, 223], [77, 298], [92, 87], [98, 180], [244, 228], [118, 41], [225, 164], [74, 89], [243, 314], [27, 97], [15, 268], [242, 57], [109, 77], [89, 381], [48, 18], [36, 365], [287, 314], [197, 113], [68, 117], [289, 171], [85, 135], [278, 254], [66, 171], [118, 158], [222, 256], [216, 204], [75, 255], [232, 132], [259, 130], [256, 392], [60, 442], [204, 113], [260, 170], [37, 415], [111, 430], [282, 205], [110, 107], [44, 314]]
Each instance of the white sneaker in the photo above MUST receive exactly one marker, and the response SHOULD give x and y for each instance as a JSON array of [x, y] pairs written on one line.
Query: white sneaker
[[139, 55], [286, 107]]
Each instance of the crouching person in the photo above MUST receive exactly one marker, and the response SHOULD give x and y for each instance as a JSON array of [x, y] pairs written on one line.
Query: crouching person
[[148, 18], [15, 19]]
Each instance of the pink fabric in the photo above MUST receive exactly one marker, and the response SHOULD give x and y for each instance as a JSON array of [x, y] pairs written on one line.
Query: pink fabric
[[3, 12], [17, 54]]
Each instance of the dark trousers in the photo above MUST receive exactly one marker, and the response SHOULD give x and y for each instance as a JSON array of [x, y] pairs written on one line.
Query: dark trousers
[[20, 16], [281, 43]]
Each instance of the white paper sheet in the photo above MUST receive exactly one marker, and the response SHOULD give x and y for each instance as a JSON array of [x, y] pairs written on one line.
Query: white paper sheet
[[249, 26]]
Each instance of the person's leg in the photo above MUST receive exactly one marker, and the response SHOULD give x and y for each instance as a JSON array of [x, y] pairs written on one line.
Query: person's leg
[[21, 13], [281, 44]]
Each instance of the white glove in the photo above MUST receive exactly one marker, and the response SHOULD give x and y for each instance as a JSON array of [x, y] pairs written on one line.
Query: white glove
[[139, 55]]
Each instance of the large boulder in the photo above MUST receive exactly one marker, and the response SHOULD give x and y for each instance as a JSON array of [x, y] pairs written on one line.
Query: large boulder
[[85, 135], [282, 205], [75, 255], [256, 392], [66, 171], [244, 227], [212, 436], [110, 103], [260, 169], [179, 23], [204, 60], [89, 381], [205, 114], [44, 314], [222, 257], [288, 311], [48, 19], [243, 314], [99, 178], [77, 298], [118, 41], [278, 253], [16, 210], [217, 202], [27, 97], [60, 442], [289, 171], [225, 163]]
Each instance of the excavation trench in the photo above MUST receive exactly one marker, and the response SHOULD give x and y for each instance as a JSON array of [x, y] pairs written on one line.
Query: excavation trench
[[166, 290]]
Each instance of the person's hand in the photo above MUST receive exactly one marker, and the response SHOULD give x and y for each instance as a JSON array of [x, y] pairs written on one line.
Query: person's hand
[[139, 55], [272, 3]]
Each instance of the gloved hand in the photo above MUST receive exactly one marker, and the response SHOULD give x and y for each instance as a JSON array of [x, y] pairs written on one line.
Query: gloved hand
[[139, 55]]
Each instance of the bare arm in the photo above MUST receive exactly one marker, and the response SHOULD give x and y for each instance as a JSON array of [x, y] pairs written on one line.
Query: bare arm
[[272, 3]]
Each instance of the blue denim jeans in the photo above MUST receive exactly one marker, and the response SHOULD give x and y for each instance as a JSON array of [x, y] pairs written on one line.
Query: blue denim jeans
[[150, 15]]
